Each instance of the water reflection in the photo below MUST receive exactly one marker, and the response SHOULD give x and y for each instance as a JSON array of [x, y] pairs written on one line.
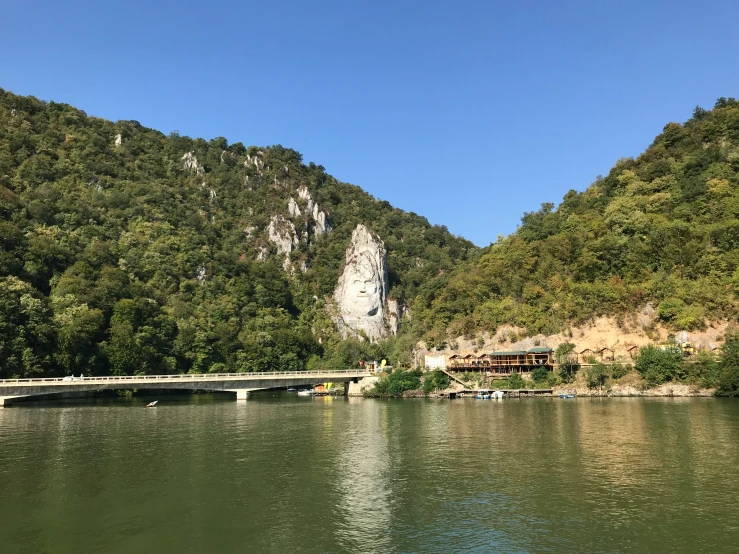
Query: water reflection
[[282, 474], [365, 499]]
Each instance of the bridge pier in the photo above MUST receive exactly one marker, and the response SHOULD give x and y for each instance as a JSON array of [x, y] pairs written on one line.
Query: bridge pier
[[241, 394]]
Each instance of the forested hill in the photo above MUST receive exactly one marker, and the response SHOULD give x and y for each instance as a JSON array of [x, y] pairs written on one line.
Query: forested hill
[[123, 250], [660, 228]]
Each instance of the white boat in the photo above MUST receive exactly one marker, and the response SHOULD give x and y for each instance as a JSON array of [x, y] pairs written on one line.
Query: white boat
[[152, 404], [498, 394], [305, 392]]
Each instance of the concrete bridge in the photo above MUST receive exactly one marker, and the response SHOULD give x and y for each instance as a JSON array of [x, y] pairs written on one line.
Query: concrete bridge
[[239, 383]]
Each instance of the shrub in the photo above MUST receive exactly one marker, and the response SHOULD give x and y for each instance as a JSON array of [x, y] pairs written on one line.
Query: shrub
[[397, 383], [703, 370], [619, 370], [676, 313], [658, 365], [434, 381], [597, 375], [540, 374], [515, 381]]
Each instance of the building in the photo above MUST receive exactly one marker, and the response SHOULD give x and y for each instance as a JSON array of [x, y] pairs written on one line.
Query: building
[[504, 363]]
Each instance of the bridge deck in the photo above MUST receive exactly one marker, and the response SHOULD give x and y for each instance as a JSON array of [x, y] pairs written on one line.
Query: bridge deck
[[189, 378], [240, 383]]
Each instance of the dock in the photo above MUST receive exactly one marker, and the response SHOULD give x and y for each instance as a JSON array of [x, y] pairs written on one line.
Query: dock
[[509, 393]]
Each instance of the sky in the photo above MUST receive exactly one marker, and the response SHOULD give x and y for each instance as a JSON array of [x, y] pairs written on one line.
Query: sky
[[469, 113]]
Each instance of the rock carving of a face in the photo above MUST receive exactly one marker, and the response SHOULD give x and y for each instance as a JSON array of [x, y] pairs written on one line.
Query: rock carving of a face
[[362, 292], [362, 288]]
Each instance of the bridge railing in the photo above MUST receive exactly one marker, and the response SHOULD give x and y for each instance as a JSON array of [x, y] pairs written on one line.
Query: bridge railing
[[194, 376]]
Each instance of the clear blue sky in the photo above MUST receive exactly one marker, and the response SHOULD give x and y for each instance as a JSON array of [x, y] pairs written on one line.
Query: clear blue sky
[[466, 112]]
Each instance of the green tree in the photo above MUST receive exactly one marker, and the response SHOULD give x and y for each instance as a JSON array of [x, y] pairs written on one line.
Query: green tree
[[567, 360], [515, 381], [658, 365], [597, 375], [728, 382]]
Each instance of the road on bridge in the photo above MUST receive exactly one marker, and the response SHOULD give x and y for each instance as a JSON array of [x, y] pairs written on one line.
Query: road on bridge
[[240, 383]]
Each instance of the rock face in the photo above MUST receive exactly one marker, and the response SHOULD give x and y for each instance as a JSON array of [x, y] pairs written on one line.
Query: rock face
[[362, 289], [292, 208], [282, 233], [322, 226], [190, 163], [394, 313], [118, 140]]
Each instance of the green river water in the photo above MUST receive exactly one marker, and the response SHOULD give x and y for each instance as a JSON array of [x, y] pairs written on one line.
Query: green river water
[[284, 474]]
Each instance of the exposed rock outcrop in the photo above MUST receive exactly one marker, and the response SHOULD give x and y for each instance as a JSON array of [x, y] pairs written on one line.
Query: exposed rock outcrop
[[282, 233], [190, 163], [394, 313], [304, 193], [362, 289], [322, 226], [255, 160], [118, 140], [292, 208]]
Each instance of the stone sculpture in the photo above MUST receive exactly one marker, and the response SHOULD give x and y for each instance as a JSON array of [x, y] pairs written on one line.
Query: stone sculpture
[[362, 289]]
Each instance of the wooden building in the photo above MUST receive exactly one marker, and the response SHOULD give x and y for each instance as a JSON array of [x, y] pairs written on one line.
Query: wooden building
[[584, 356], [606, 354], [633, 351], [504, 363]]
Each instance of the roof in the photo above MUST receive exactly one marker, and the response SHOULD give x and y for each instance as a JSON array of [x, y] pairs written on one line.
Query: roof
[[586, 350], [540, 350], [511, 353], [605, 348]]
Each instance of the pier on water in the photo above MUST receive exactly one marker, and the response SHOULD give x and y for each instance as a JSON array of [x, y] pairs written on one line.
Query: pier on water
[[509, 393]]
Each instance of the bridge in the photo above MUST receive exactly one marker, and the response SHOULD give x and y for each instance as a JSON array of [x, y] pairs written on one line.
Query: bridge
[[239, 383]]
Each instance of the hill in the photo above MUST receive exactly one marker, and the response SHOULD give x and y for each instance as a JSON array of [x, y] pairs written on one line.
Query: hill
[[124, 250], [660, 231]]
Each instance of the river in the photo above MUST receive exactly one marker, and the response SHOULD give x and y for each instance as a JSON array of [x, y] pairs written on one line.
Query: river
[[282, 474]]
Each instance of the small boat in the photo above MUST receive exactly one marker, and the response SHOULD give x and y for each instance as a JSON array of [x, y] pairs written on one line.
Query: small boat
[[291, 389], [498, 394], [566, 395], [305, 392], [152, 404]]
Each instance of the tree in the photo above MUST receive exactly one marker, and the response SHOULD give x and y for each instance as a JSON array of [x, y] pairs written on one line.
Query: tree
[[567, 359], [515, 381], [658, 365], [728, 382], [597, 375], [540, 374], [435, 380]]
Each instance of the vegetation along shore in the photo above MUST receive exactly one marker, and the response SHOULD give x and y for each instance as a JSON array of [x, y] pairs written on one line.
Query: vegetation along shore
[[127, 251]]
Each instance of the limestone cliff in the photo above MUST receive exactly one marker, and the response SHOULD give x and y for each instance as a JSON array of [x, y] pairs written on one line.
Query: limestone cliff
[[362, 289]]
